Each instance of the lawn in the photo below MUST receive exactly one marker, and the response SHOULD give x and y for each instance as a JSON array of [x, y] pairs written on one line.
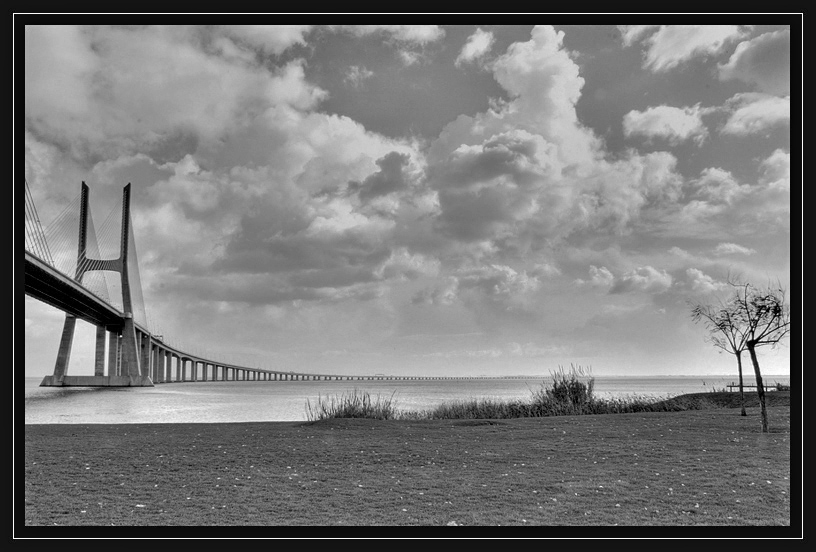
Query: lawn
[[687, 469]]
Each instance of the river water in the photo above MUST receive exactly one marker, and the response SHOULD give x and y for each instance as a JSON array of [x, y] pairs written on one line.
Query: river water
[[258, 401]]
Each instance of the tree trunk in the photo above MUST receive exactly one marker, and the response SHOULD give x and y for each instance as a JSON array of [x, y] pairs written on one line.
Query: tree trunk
[[742, 393], [760, 387]]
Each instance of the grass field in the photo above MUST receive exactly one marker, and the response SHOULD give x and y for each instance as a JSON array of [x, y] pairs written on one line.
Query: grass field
[[683, 470]]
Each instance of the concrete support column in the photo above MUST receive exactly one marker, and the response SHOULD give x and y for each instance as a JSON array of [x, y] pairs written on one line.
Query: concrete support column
[[168, 367], [64, 354], [99, 356], [154, 365], [144, 344], [160, 370]]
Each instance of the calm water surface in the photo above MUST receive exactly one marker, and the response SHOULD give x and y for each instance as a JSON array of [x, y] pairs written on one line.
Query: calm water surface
[[260, 401]]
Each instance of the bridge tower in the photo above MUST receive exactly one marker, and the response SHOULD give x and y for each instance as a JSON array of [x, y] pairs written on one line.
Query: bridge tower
[[125, 365]]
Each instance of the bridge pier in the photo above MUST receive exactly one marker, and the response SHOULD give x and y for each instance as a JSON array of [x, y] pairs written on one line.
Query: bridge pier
[[168, 367]]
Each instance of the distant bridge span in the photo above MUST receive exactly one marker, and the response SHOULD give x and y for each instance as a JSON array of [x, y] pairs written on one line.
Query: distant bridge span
[[136, 357]]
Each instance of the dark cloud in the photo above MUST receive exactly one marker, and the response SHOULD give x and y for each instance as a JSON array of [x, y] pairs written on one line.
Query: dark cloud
[[390, 178]]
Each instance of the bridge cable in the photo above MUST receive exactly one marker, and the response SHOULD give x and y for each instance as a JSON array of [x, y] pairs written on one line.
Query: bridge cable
[[34, 228]]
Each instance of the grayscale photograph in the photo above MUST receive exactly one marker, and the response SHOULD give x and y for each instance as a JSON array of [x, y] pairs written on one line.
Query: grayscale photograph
[[289, 270]]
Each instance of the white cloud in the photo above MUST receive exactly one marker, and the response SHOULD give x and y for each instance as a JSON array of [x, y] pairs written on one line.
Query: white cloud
[[271, 39], [716, 185], [598, 277], [419, 34], [138, 86], [763, 61], [673, 124], [701, 282], [732, 249], [356, 74], [633, 33], [756, 113], [485, 189], [262, 189], [477, 46], [528, 169], [644, 278], [672, 45], [497, 280], [776, 171]]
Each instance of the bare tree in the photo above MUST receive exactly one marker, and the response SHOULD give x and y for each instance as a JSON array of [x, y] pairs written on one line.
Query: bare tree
[[764, 319], [726, 334], [750, 318]]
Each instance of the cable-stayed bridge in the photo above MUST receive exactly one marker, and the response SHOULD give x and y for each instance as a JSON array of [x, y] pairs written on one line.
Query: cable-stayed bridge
[[68, 265]]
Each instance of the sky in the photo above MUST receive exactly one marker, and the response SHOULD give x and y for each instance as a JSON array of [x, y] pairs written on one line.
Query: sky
[[424, 199]]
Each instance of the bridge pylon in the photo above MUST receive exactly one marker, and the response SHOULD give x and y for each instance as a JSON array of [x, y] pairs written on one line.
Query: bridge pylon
[[125, 367]]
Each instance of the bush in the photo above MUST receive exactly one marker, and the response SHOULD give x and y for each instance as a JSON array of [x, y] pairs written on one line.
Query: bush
[[570, 393]]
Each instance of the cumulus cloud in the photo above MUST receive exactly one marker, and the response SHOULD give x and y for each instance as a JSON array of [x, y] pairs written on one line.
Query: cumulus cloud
[[477, 46], [598, 277], [732, 249], [763, 61], [645, 278], [493, 171], [776, 171], [497, 280], [754, 113], [527, 170], [672, 124], [393, 176], [633, 33], [716, 185], [614, 197], [672, 45], [493, 282], [487, 188], [701, 282], [132, 88], [258, 183]]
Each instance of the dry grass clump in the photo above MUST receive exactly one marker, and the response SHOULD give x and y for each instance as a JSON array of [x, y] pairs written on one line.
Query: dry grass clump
[[569, 393], [357, 404]]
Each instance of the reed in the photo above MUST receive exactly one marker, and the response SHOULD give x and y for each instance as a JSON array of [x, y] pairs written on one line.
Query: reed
[[567, 393], [357, 404]]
